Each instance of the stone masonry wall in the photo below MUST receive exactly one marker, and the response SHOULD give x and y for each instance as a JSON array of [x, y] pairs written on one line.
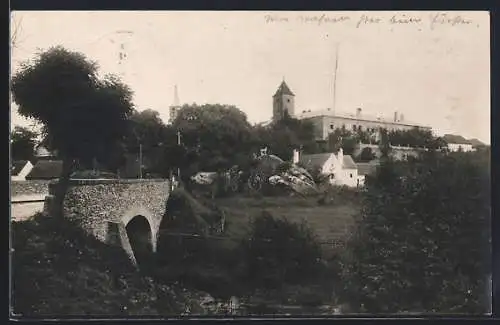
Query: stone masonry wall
[[95, 204], [29, 187]]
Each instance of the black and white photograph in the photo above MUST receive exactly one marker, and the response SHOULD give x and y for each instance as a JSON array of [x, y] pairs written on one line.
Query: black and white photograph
[[249, 164]]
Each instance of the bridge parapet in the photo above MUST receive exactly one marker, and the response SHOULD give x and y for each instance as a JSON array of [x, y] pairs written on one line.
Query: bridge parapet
[[104, 207]]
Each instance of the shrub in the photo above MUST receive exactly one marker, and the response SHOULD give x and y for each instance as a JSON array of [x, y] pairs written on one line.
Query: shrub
[[366, 155], [277, 251], [423, 239], [59, 270]]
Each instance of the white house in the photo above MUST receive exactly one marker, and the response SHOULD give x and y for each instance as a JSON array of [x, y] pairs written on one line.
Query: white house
[[465, 147], [20, 169], [341, 168]]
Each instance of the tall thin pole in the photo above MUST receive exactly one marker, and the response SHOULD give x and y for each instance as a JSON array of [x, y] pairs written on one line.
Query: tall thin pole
[[335, 77], [179, 144], [140, 160]]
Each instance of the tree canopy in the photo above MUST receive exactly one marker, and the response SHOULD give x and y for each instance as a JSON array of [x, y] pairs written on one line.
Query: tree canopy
[[423, 238], [214, 136], [83, 117], [23, 142]]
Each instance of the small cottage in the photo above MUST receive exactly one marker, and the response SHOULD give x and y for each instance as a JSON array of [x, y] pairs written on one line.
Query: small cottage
[[340, 168]]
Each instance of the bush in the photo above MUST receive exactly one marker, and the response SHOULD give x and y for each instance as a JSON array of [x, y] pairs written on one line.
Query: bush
[[423, 239], [59, 270], [366, 155], [277, 251]]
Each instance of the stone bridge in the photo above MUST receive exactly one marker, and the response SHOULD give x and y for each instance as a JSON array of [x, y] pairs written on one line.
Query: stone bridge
[[125, 213]]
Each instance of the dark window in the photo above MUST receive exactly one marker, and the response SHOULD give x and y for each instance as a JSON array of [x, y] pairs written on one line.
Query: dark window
[[288, 100], [360, 128], [351, 175], [354, 127], [331, 126], [343, 126]]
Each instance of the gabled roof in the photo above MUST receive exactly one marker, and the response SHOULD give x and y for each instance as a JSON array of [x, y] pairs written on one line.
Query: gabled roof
[[41, 151], [458, 139], [348, 162], [283, 89], [46, 169], [315, 160], [17, 166], [367, 168]]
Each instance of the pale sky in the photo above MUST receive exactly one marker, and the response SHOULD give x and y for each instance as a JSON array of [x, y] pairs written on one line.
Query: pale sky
[[435, 71]]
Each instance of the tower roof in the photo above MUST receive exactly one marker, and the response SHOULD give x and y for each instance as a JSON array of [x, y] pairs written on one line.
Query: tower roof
[[283, 89], [176, 97]]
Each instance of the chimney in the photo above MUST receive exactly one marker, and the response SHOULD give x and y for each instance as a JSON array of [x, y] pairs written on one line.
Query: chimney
[[358, 112], [340, 156], [401, 117], [296, 156], [395, 116]]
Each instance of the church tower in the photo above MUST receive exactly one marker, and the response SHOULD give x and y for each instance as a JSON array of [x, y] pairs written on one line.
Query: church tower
[[283, 101], [175, 107]]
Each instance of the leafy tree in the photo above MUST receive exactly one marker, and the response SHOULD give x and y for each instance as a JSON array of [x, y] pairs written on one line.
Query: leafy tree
[[277, 251], [23, 142], [83, 116], [215, 137], [157, 141], [422, 242], [342, 138], [366, 155], [287, 134]]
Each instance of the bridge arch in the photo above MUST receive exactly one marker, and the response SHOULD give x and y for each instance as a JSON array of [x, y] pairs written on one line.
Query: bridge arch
[[141, 233]]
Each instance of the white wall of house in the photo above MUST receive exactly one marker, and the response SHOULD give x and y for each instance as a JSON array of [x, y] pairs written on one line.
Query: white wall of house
[[348, 177], [23, 173], [361, 180], [457, 146]]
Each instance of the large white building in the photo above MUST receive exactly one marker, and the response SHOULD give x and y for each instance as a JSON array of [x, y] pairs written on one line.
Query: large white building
[[327, 121]]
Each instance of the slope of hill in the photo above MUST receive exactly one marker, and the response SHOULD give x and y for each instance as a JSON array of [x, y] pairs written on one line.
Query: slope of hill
[[59, 271]]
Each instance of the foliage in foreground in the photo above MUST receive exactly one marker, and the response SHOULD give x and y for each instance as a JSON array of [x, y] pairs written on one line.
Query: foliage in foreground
[[423, 239], [278, 251], [57, 270]]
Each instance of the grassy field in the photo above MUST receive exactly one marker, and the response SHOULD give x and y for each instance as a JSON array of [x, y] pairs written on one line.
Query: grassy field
[[331, 222]]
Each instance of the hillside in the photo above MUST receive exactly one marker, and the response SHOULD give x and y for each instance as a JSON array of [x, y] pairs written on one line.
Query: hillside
[[57, 270]]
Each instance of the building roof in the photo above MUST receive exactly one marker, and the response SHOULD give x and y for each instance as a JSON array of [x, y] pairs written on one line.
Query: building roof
[[363, 117], [17, 166], [41, 151], [457, 139], [366, 168], [46, 169], [283, 89], [315, 160], [348, 162], [476, 142]]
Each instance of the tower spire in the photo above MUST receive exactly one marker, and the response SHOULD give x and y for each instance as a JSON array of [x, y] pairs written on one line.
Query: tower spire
[[176, 96]]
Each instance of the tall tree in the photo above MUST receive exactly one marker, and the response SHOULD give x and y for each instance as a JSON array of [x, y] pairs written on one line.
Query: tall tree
[[151, 136], [83, 117], [422, 242], [22, 144], [215, 136]]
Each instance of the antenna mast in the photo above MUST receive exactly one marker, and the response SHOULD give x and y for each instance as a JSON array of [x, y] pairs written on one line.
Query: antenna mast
[[335, 77]]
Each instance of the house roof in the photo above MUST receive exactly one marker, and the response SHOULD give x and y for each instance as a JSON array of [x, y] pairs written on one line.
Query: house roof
[[17, 166], [46, 169], [348, 162], [366, 168], [283, 89], [457, 139], [315, 160]]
